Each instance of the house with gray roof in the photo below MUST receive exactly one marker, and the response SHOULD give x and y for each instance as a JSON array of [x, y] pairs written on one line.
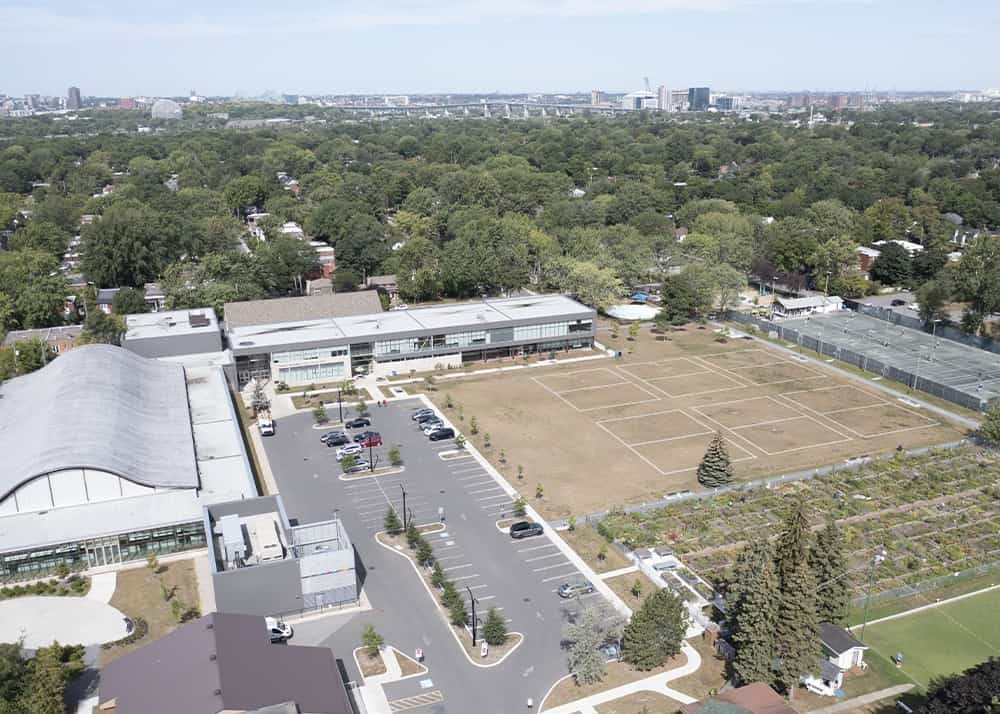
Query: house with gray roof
[[223, 663]]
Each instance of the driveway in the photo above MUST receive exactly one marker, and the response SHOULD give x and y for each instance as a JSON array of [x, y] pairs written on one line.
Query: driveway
[[517, 577], [71, 620]]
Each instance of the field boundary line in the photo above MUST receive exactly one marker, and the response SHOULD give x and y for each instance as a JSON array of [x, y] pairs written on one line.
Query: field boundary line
[[627, 446], [853, 409], [555, 393], [671, 438], [642, 416], [631, 379], [598, 386], [929, 606]]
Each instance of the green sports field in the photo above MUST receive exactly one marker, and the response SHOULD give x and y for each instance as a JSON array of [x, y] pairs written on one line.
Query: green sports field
[[941, 640]]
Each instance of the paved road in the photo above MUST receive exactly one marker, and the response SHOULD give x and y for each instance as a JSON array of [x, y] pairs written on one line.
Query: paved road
[[519, 577]]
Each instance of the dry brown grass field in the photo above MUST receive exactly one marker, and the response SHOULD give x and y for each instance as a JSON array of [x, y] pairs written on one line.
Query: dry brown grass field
[[612, 431]]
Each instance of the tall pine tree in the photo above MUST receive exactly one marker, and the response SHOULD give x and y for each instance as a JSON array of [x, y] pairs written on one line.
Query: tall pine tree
[[715, 468], [793, 542], [752, 617], [796, 630], [654, 633], [829, 566]]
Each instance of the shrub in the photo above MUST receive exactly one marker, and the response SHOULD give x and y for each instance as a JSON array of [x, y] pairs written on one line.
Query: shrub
[[395, 458], [413, 536], [140, 629], [520, 506], [458, 614], [371, 640], [425, 553], [437, 577]]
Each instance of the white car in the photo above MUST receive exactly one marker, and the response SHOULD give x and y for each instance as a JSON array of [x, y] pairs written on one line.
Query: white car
[[433, 425], [348, 450]]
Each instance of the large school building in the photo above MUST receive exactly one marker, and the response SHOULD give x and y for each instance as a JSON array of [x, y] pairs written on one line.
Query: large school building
[[303, 341]]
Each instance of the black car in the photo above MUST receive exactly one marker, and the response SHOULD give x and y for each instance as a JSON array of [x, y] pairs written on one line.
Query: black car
[[443, 433], [330, 435], [429, 416], [358, 423], [525, 529], [897, 302], [361, 436], [337, 440], [421, 412]]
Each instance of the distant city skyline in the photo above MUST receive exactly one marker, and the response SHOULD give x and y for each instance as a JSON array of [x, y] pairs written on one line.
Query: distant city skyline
[[521, 46]]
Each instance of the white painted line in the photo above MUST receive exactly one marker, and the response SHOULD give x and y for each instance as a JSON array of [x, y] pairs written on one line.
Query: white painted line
[[492, 498], [485, 490], [543, 557], [476, 587], [561, 576], [550, 567], [465, 577], [456, 567], [535, 547], [486, 597]]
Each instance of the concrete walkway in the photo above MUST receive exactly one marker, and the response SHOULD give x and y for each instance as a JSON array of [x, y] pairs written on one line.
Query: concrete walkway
[[102, 587], [849, 705], [71, 620], [621, 571], [657, 683], [206, 591]]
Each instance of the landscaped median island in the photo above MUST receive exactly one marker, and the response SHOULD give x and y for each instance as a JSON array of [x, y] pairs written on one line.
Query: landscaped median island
[[72, 585], [491, 626], [616, 674]]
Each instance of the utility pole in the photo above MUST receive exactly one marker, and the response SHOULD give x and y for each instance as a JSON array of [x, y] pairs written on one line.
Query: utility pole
[[826, 290], [877, 558], [472, 599], [340, 405], [404, 505]]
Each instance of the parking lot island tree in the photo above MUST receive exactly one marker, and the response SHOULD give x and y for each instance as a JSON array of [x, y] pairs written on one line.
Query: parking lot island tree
[[361, 407], [391, 522], [425, 553], [587, 636], [495, 628], [715, 469], [371, 640], [319, 414], [459, 442], [437, 575], [520, 506], [347, 462], [413, 536], [654, 633], [395, 458]]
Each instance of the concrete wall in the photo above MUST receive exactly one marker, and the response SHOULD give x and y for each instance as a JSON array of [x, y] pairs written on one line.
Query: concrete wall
[[420, 364], [210, 340]]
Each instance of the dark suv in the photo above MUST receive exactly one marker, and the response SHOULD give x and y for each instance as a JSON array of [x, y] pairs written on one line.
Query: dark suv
[[358, 423], [338, 439], [525, 529], [442, 433]]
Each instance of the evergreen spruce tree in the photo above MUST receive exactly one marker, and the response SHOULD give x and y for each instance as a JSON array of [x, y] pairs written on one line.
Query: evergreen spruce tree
[[829, 565], [655, 632], [48, 679], [715, 468], [391, 521], [425, 553], [412, 535], [796, 629], [744, 576], [752, 620], [793, 542], [495, 629]]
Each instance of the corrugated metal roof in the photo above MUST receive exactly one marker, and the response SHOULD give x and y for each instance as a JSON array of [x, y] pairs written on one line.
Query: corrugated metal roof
[[98, 407]]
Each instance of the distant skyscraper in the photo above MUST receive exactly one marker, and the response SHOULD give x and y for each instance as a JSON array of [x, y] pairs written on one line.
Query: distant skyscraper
[[699, 98], [73, 100], [839, 101], [726, 103], [126, 103], [664, 99], [597, 98]]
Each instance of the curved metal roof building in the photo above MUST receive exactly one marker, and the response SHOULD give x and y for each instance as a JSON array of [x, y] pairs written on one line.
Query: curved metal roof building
[[98, 407], [166, 109]]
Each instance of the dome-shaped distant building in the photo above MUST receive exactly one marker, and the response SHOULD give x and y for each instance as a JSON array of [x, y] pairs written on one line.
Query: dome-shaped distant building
[[166, 109]]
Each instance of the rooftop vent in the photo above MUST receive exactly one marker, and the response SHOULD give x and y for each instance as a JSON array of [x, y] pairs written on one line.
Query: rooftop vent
[[198, 319]]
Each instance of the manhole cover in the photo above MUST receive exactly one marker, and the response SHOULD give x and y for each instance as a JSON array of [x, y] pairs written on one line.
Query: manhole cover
[[526, 599], [441, 491]]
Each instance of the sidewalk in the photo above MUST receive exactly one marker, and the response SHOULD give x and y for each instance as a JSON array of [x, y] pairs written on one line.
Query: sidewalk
[[657, 683], [852, 704], [102, 587], [206, 591]]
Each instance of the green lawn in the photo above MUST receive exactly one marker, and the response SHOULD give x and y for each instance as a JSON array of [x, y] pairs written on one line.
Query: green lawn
[[942, 640]]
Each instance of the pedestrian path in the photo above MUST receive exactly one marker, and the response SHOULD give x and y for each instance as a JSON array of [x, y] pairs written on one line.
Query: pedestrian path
[[621, 571], [850, 705], [102, 586], [657, 683], [206, 592]]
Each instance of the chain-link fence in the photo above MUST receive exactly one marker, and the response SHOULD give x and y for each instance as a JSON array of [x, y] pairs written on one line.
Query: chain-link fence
[[863, 361], [944, 330], [930, 584]]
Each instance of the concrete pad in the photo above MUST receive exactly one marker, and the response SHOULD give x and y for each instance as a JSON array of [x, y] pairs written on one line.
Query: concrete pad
[[71, 620]]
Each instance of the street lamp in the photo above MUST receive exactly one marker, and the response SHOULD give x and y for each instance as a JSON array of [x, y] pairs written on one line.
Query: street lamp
[[934, 324], [472, 599], [877, 557], [826, 290], [404, 505]]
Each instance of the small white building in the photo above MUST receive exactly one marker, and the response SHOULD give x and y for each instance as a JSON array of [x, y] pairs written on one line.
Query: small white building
[[842, 652], [799, 307]]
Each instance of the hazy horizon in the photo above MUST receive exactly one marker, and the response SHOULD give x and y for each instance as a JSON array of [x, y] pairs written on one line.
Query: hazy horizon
[[117, 48]]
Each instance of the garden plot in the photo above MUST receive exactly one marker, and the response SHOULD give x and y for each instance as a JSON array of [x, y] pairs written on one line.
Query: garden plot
[[880, 420], [795, 434], [685, 453], [778, 373], [665, 369], [582, 379], [741, 359], [696, 384], [831, 399], [748, 412], [649, 428]]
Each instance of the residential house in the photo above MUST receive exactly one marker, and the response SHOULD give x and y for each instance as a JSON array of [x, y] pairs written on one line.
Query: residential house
[[799, 307], [866, 256], [907, 245], [384, 284], [59, 339], [104, 299], [319, 286], [842, 653], [222, 663], [253, 225], [154, 296], [755, 698], [326, 257]]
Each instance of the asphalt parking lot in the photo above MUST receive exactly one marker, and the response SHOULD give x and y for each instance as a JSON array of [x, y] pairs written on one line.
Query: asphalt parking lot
[[517, 577]]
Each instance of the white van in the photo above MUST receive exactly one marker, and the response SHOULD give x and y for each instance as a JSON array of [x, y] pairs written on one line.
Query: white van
[[277, 630], [266, 426]]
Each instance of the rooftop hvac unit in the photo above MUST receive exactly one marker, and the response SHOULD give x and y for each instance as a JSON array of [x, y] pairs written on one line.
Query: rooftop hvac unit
[[232, 541], [198, 319]]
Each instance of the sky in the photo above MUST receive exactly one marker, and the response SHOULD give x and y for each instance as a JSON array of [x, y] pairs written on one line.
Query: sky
[[226, 47]]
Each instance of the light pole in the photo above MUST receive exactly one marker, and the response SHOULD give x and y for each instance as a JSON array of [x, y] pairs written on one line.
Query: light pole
[[934, 324], [340, 405], [404, 505], [877, 559], [472, 599], [826, 290]]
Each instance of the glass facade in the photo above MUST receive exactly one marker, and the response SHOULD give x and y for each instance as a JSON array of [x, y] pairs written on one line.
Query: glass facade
[[95, 552], [477, 338], [307, 373], [321, 353]]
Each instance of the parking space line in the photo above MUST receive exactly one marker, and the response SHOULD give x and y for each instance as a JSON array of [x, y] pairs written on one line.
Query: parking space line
[[457, 469], [484, 490], [486, 597], [543, 557], [560, 576], [550, 567], [491, 498], [456, 567], [449, 557], [472, 476], [465, 577], [476, 587], [534, 547]]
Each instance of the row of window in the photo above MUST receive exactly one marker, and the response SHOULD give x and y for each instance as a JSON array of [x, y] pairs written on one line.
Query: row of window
[[308, 373], [308, 355], [473, 338]]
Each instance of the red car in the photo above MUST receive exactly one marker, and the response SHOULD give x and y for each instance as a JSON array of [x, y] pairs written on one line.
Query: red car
[[373, 440]]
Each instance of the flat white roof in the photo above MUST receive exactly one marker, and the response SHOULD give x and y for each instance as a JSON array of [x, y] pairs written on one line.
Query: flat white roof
[[171, 322], [449, 316]]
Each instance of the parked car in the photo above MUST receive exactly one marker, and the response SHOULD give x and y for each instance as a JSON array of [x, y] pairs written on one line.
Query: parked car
[[337, 440], [421, 412], [428, 426], [358, 438], [358, 467], [525, 529], [612, 652], [277, 630], [348, 450], [442, 433], [429, 416], [266, 426], [568, 590], [331, 435], [371, 441], [897, 302], [358, 423]]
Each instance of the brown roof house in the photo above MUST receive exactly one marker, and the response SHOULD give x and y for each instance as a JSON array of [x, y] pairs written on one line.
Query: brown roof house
[[756, 698], [223, 663]]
